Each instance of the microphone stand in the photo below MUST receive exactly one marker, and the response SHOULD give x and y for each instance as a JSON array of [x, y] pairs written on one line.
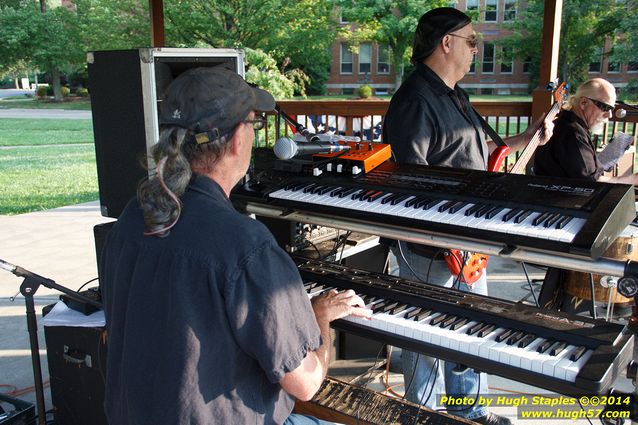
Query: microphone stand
[[298, 127], [29, 287]]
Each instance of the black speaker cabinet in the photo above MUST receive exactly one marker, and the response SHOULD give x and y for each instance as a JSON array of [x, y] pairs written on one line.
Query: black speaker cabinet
[[126, 87], [77, 363]]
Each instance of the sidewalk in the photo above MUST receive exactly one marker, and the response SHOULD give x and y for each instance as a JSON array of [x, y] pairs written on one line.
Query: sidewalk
[[57, 244]]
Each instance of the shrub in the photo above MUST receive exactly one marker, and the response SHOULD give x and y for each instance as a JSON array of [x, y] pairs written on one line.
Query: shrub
[[41, 91], [65, 91], [364, 91], [82, 92]]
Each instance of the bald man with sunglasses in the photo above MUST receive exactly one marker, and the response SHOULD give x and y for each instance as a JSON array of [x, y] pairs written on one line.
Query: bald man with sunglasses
[[571, 152]]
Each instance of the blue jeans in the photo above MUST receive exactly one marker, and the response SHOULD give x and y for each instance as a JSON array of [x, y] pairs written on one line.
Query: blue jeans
[[297, 419], [426, 378]]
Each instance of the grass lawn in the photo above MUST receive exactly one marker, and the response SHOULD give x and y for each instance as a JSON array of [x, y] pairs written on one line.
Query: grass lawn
[[38, 178], [29, 132], [34, 103]]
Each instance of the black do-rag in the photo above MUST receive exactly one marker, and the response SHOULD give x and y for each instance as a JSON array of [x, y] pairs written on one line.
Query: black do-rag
[[432, 27]]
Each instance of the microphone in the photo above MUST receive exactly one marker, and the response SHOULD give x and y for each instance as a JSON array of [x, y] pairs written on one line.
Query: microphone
[[285, 148]]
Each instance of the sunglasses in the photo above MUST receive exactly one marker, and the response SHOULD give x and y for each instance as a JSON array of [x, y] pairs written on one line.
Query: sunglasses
[[472, 41], [258, 123], [601, 105]]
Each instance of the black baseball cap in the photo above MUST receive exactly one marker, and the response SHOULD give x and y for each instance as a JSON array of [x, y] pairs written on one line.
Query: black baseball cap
[[211, 101], [432, 27]]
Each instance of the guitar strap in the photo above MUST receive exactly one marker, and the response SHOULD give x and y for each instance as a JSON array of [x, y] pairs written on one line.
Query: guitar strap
[[489, 130]]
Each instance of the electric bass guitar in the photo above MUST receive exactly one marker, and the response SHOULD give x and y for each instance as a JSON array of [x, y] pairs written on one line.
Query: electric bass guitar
[[495, 162]]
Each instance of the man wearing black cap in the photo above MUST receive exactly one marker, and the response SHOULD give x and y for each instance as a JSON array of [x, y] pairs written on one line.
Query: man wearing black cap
[[207, 318], [430, 121]]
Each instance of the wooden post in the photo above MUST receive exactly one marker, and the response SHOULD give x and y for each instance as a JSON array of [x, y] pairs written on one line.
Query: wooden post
[[156, 9], [541, 98]]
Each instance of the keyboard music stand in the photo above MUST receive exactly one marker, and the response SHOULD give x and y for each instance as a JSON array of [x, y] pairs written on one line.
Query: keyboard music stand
[[28, 288]]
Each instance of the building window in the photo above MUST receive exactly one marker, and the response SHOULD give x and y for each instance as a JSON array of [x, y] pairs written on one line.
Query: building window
[[596, 64], [509, 14], [472, 7], [491, 10], [383, 59], [473, 66], [346, 60], [507, 63], [632, 67], [613, 67], [347, 91], [365, 56], [526, 65], [488, 58]]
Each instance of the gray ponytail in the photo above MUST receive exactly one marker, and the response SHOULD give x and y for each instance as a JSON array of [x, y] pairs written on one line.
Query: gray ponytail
[[177, 156]]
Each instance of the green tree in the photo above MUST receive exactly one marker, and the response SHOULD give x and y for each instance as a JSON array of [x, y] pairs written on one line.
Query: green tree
[[297, 34], [48, 41], [584, 27], [390, 22], [113, 24]]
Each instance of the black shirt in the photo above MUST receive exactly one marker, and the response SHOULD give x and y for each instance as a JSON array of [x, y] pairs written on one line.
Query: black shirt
[[570, 152], [204, 323], [429, 123]]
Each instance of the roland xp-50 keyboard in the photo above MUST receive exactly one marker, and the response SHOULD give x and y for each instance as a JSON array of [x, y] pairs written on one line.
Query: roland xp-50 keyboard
[[576, 217], [560, 352]]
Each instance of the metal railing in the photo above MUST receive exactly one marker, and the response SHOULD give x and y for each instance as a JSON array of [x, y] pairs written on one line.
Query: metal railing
[[364, 118]]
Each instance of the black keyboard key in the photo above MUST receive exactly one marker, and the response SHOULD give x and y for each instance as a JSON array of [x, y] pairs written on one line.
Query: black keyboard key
[[399, 308], [389, 306], [485, 330], [399, 199], [447, 322], [522, 216], [424, 313], [481, 212], [540, 218], [389, 198], [504, 335], [457, 206], [563, 221], [556, 350], [545, 345], [515, 337], [511, 214], [308, 188], [438, 319], [474, 208], [458, 323], [475, 328], [348, 192], [447, 205], [493, 212], [552, 220], [412, 202], [376, 196], [410, 314], [577, 354], [526, 340]]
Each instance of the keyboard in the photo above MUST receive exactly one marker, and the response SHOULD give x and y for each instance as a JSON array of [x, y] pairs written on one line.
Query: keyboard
[[560, 352], [575, 217], [349, 404]]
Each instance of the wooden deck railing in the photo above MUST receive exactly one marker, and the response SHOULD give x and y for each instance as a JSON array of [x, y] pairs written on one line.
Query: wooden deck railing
[[364, 118]]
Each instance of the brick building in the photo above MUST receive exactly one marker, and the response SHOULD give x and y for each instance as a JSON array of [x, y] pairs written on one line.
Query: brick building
[[371, 64]]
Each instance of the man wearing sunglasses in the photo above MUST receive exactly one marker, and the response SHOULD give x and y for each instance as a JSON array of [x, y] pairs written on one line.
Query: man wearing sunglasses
[[571, 151], [430, 121], [207, 318]]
